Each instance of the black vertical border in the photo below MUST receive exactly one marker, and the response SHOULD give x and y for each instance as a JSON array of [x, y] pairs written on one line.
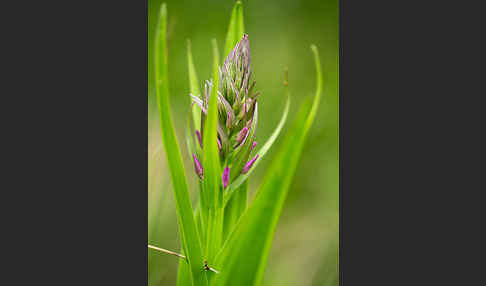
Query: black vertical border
[[78, 212]]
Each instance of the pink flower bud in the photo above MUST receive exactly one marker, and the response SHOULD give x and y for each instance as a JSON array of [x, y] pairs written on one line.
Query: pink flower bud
[[229, 121], [197, 166], [241, 135], [225, 177], [248, 165]]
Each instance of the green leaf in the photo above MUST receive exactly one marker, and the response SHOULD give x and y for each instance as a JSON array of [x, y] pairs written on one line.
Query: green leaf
[[183, 274], [194, 148], [235, 208], [263, 150], [187, 225], [235, 29], [240, 25], [190, 140], [244, 255], [194, 84], [211, 167]]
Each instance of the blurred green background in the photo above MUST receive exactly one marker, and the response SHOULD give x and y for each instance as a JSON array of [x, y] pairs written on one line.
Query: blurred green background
[[305, 247]]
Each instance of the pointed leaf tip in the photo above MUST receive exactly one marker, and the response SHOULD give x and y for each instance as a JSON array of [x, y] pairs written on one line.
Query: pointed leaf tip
[[187, 225]]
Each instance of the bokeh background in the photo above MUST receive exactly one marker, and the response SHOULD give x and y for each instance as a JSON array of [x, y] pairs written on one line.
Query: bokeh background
[[306, 242]]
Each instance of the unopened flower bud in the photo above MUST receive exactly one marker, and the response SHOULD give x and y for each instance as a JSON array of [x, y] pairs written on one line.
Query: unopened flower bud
[[197, 166], [241, 135], [225, 177], [228, 120], [249, 164], [219, 144]]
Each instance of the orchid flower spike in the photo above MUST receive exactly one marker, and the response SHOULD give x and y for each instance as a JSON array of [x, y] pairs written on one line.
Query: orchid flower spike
[[237, 112]]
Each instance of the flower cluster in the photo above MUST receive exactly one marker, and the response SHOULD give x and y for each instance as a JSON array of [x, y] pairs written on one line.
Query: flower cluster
[[237, 114]]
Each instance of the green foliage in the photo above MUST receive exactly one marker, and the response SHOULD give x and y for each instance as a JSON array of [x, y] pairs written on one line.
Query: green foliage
[[235, 206], [212, 206], [235, 29], [194, 84], [244, 254], [192, 246], [222, 230]]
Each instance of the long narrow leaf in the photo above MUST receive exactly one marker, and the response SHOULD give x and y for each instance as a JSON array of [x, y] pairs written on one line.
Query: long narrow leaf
[[211, 163], [183, 274], [194, 84], [189, 235], [212, 168], [235, 208], [243, 257], [191, 145], [235, 29]]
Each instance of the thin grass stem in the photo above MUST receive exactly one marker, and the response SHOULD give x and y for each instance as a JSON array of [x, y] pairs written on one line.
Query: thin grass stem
[[167, 251]]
